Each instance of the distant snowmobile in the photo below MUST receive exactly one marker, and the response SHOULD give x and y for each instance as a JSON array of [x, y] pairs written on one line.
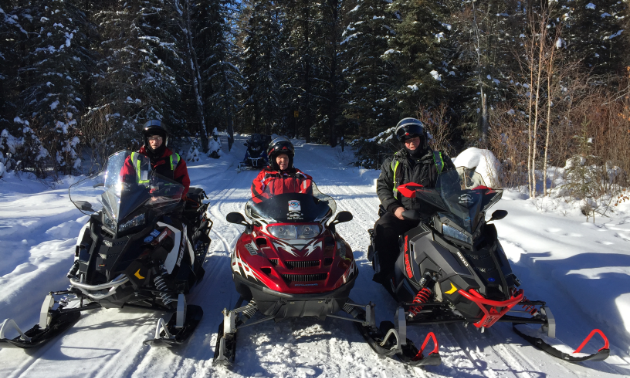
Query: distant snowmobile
[[290, 263], [256, 154], [452, 268], [143, 248]]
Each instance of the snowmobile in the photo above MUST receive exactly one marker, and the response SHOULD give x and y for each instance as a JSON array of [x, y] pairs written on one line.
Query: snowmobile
[[452, 268], [256, 154], [290, 262], [142, 247]]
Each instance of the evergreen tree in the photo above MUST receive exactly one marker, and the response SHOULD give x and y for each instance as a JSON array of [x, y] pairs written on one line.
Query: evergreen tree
[[262, 67], [222, 81], [53, 70], [368, 108], [594, 33], [420, 51], [11, 34], [145, 67], [486, 36]]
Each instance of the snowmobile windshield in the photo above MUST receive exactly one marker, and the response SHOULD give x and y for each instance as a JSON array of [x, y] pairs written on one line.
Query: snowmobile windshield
[[292, 207], [126, 185], [459, 198]]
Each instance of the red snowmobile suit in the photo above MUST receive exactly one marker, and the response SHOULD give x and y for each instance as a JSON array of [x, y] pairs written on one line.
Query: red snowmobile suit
[[273, 182], [169, 165]]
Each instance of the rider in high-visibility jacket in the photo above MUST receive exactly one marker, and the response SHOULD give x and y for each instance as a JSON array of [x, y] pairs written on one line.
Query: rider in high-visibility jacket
[[163, 161], [415, 162], [280, 176]]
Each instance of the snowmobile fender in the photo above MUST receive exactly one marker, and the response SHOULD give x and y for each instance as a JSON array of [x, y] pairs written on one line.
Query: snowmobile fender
[[434, 255], [176, 253]]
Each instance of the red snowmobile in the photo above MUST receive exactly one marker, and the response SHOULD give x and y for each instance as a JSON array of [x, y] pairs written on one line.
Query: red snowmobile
[[290, 262], [452, 268]]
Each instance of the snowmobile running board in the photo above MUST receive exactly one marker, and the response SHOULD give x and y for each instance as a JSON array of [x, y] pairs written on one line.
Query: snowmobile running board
[[386, 341]]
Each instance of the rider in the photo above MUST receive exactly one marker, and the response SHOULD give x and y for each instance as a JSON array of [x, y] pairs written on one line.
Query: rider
[[280, 176], [163, 161], [416, 162]]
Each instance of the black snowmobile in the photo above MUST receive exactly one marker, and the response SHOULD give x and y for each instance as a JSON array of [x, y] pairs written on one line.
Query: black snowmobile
[[256, 154], [290, 262], [452, 268], [142, 247]]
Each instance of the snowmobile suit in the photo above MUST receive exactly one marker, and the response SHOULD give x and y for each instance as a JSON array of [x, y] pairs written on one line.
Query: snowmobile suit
[[273, 182], [401, 169], [169, 165]]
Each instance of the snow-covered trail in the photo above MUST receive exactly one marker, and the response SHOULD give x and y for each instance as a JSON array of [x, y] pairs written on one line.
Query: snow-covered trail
[[108, 343]]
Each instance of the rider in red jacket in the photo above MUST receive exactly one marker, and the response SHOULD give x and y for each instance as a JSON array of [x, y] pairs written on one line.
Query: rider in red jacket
[[280, 176], [163, 161]]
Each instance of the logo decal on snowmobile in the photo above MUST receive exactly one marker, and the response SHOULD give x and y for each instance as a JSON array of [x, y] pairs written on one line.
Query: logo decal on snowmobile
[[453, 289], [107, 243], [251, 249], [461, 257], [295, 206], [465, 199], [137, 274]]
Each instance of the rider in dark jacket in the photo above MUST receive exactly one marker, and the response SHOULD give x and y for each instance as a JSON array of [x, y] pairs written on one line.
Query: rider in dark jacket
[[163, 161], [416, 162]]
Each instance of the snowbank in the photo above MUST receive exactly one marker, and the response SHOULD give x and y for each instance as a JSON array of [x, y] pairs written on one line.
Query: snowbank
[[481, 161]]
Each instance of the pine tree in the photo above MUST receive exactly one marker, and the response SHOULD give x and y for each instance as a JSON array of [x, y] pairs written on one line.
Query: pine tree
[[11, 34], [420, 51], [367, 107], [485, 35], [222, 81], [262, 67], [145, 68], [593, 33], [53, 70]]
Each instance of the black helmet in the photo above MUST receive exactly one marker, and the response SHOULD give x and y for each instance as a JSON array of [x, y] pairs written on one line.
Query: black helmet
[[410, 127], [154, 127], [278, 146]]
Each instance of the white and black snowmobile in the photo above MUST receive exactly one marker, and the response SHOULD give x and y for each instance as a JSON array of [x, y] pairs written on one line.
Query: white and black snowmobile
[[142, 247], [256, 154], [290, 262], [452, 268]]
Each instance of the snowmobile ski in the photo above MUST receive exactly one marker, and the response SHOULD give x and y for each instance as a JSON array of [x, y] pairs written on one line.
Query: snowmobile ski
[[541, 344], [225, 347], [180, 326], [390, 340], [51, 323]]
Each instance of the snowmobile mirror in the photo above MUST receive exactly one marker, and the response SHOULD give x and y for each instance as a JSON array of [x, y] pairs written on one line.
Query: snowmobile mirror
[[84, 205], [499, 214], [342, 216], [412, 215], [237, 218]]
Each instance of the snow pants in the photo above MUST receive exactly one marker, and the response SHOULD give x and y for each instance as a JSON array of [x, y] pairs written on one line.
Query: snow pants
[[387, 229]]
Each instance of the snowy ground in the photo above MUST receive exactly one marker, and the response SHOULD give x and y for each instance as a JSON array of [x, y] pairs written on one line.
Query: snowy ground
[[582, 270]]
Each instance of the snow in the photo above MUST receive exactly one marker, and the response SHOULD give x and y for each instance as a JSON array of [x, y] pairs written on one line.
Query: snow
[[436, 75], [581, 270], [590, 6], [483, 162]]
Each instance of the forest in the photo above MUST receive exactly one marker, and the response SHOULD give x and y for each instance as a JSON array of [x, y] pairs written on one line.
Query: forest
[[540, 83]]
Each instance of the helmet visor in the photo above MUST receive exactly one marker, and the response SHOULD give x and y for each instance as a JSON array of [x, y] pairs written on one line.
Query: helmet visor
[[409, 131]]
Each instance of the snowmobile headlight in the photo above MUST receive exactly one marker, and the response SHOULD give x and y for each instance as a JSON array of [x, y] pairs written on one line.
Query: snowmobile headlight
[[283, 232], [456, 234], [136, 221], [305, 231]]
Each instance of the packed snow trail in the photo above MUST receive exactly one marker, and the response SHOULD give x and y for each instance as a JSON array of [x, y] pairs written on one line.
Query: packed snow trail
[[106, 343]]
